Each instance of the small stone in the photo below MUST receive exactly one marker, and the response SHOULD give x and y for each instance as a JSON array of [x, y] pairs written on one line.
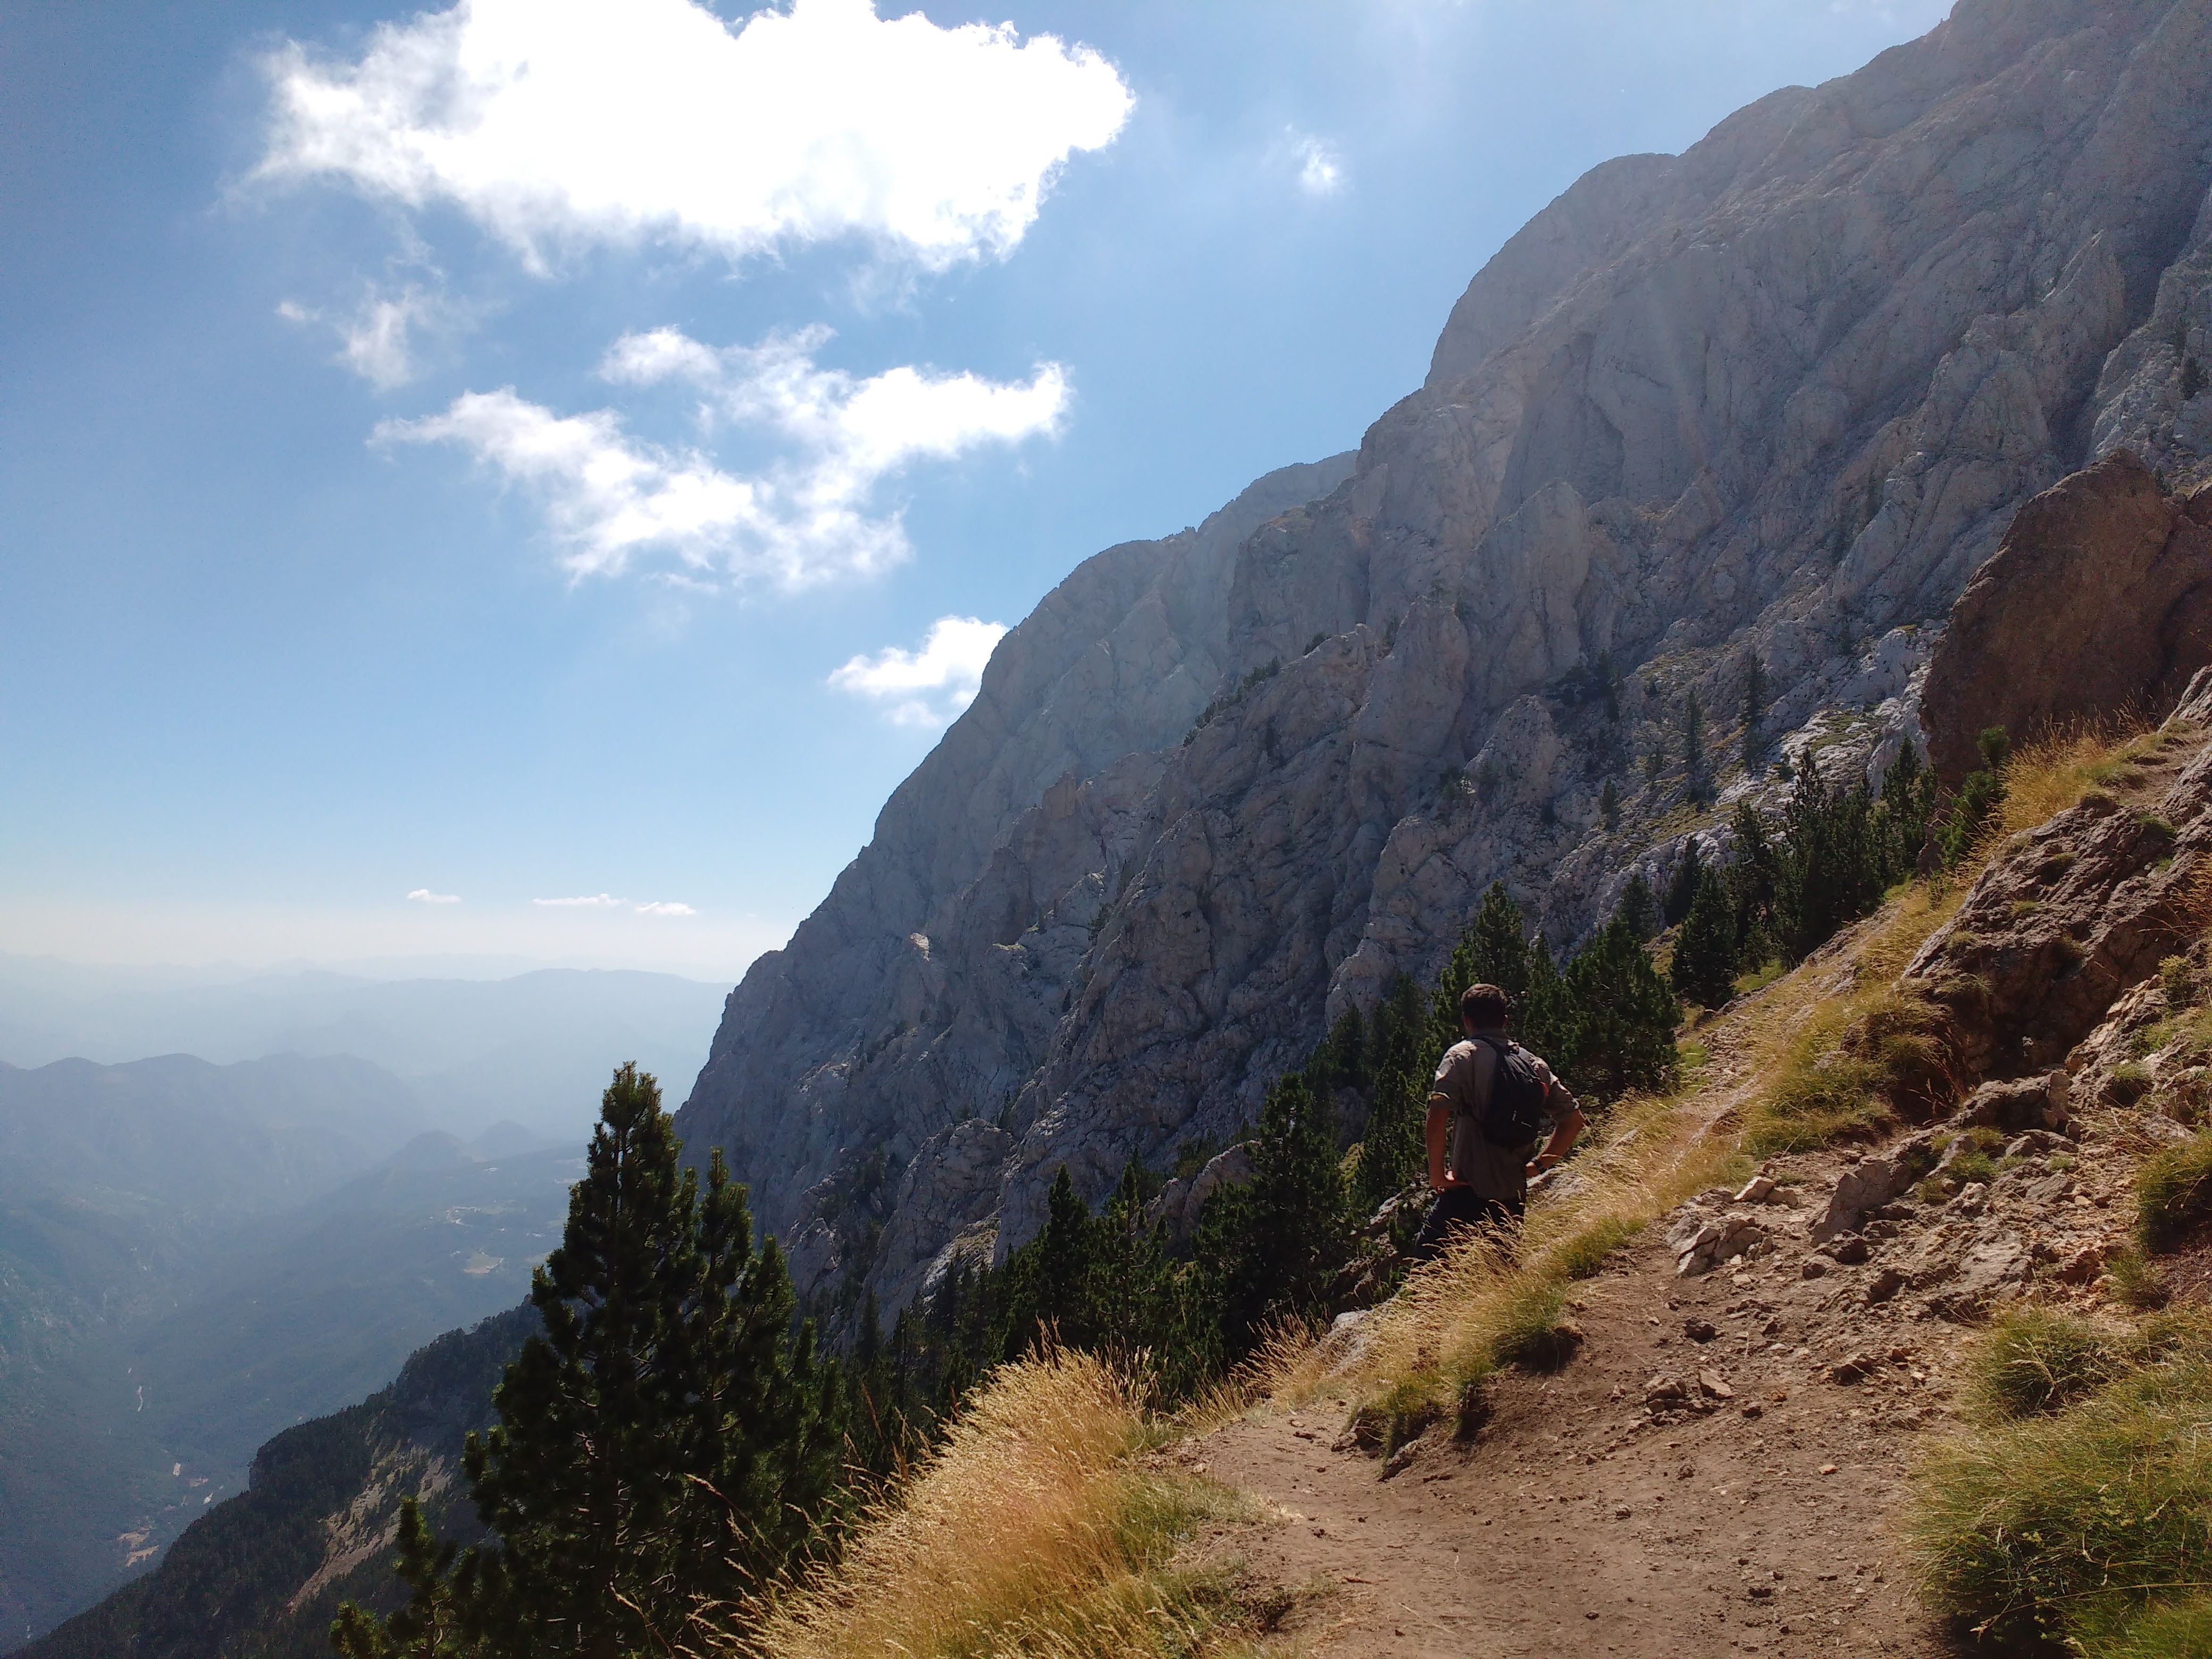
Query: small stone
[[1621, 1512], [1754, 1409], [1886, 1284], [1699, 1330], [1827, 1468], [1851, 1249], [1814, 1267], [1714, 1384], [1853, 1370], [1757, 1190], [1760, 1592]]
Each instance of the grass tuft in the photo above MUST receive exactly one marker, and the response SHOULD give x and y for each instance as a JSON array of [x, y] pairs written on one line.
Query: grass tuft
[[2067, 1523], [2036, 1361], [1533, 1330], [1032, 1530], [2179, 1629], [2173, 1193]]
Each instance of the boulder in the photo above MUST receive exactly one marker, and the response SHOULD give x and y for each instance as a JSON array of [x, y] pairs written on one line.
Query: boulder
[[1871, 1183], [2098, 600]]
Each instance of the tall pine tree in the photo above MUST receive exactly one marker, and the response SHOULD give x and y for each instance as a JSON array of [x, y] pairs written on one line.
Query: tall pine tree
[[1279, 1239], [671, 1436], [1705, 965]]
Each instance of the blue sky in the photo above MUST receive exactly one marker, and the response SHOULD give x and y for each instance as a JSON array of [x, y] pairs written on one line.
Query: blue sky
[[486, 454]]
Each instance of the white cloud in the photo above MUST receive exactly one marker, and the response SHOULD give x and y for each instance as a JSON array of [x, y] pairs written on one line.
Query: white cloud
[[377, 340], [569, 122], [804, 519], [931, 686], [1321, 167], [666, 908], [588, 902], [424, 896]]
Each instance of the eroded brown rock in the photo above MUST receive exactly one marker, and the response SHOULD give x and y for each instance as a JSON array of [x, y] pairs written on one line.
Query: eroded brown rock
[[2098, 600]]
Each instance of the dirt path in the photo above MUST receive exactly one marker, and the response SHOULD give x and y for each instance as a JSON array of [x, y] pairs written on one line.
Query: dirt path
[[1574, 1522]]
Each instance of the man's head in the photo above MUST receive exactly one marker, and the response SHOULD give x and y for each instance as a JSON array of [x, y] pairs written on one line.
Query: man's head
[[1483, 1008]]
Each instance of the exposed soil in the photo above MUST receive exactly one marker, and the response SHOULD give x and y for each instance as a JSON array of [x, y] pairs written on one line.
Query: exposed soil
[[1578, 1522]]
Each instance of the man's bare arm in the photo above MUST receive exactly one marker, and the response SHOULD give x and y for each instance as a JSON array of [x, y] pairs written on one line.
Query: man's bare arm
[[1439, 1132], [1563, 1139]]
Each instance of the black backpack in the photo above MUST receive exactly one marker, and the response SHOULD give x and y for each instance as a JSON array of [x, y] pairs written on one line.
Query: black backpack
[[1515, 1114]]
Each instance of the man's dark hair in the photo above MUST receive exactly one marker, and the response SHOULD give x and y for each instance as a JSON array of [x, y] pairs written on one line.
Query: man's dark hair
[[1482, 1005]]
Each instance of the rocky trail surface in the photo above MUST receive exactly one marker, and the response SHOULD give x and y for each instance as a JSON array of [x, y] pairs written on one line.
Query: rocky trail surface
[[1720, 1463]]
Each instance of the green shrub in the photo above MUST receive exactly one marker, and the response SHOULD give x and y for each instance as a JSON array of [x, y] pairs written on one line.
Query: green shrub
[[2173, 1193], [2179, 982], [2034, 1360], [1969, 1167], [2075, 1521]]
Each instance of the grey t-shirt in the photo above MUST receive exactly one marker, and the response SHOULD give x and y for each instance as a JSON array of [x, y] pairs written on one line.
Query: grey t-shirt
[[1464, 1079]]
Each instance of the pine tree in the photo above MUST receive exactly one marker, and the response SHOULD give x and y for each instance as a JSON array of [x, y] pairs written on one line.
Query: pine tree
[[1545, 1022], [1682, 885], [1754, 880], [1137, 1299], [1623, 1020], [430, 1626], [1497, 953], [1279, 1239], [1908, 801], [1693, 747], [1390, 1150], [1705, 965], [1754, 712], [671, 1436], [1608, 806], [1636, 912], [1048, 1280]]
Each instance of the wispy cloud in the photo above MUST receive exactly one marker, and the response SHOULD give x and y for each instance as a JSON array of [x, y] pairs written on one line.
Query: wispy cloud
[[1320, 166], [929, 687], [666, 908], [806, 519], [424, 896], [555, 122], [587, 901], [377, 340]]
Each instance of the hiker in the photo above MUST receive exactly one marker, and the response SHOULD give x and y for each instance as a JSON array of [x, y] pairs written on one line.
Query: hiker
[[1490, 1100]]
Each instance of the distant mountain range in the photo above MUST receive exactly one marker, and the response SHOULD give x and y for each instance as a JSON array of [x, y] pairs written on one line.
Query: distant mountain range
[[193, 1257], [535, 1048]]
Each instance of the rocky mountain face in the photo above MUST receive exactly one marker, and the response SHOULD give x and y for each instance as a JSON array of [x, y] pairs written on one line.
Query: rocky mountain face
[[1738, 425]]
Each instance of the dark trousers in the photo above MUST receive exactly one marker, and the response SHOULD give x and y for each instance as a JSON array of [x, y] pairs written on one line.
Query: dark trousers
[[1460, 1207]]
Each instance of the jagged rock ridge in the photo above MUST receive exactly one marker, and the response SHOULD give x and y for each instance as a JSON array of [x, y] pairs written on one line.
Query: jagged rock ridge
[[1772, 401]]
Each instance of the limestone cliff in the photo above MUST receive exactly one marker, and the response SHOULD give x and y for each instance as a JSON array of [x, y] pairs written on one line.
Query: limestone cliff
[[1741, 422]]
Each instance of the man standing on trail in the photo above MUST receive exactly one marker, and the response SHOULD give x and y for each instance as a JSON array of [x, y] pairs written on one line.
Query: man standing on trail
[[1490, 1100]]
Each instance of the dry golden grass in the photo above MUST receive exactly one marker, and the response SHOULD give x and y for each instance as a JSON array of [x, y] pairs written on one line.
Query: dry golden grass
[[1033, 1530]]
